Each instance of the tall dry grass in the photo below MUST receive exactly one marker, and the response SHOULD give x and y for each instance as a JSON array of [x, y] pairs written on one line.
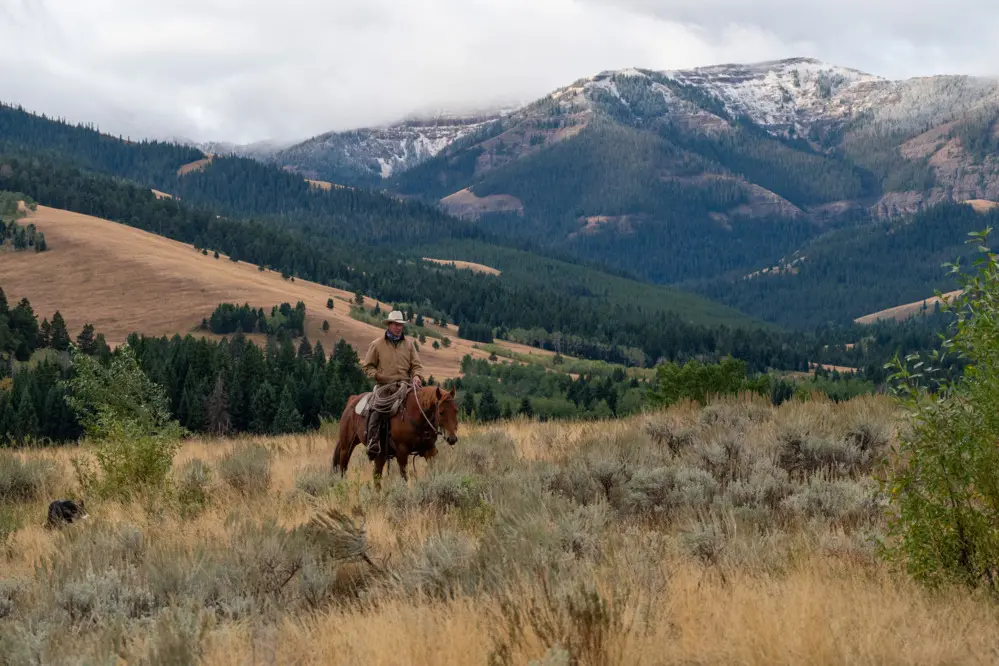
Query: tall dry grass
[[734, 534]]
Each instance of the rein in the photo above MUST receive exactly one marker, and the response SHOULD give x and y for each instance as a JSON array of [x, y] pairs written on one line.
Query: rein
[[437, 429]]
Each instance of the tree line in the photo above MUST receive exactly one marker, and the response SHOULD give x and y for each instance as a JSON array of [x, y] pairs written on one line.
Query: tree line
[[220, 388], [230, 318]]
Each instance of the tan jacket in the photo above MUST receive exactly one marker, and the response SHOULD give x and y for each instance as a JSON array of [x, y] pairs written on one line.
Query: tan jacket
[[388, 362]]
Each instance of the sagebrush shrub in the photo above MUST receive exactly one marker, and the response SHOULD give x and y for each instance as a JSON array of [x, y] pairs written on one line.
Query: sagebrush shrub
[[246, 469], [316, 480], [194, 486], [666, 491], [24, 481]]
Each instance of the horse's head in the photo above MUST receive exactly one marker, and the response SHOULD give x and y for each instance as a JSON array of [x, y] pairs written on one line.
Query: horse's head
[[447, 415]]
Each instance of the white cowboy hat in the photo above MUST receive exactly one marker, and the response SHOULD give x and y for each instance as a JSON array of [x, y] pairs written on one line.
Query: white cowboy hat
[[395, 317]]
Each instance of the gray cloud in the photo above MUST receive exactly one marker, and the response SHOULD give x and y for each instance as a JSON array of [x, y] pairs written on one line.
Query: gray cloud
[[245, 70]]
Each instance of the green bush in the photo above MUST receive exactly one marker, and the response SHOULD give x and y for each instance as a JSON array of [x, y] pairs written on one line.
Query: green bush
[[944, 490], [128, 417]]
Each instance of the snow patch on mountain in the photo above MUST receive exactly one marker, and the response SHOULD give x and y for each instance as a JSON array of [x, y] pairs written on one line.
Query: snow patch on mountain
[[379, 151]]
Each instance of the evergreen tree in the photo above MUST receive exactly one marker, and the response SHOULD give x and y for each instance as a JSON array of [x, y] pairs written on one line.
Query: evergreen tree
[[526, 408], [305, 350], [319, 355], [287, 419], [85, 340], [44, 334], [329, 303], [468, 406], [60, 335], [26, 417], [489, 409], [218, 421], [191, 409], [264, 408]]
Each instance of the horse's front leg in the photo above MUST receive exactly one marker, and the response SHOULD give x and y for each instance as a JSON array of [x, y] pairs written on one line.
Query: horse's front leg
[[379, 468]]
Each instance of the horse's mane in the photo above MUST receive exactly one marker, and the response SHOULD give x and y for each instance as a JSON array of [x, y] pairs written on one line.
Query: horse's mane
[[427, 397]]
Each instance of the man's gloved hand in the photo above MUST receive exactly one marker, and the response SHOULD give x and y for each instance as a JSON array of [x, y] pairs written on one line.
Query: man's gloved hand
[[416, 382]]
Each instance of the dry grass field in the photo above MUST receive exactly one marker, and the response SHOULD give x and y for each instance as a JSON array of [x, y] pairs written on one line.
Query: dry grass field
[[903, 312], [469, 265], [734, 534], [196, 165], [122, 279], [982, 205]]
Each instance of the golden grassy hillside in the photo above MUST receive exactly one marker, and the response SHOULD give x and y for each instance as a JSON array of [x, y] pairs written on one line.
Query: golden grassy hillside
[[684, 537], [468, 265], [122, 279], [903, 312]]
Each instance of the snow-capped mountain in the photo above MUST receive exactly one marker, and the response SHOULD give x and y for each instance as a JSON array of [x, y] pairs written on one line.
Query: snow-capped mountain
[[371, 154]]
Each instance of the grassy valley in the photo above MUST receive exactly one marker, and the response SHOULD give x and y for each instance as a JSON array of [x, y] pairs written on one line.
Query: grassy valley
[[729, 550]]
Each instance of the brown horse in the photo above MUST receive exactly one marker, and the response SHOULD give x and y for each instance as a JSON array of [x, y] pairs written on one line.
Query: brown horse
[[413, 430]]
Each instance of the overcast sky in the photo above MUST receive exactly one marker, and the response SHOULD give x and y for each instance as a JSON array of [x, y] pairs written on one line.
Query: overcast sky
[[245, 70]]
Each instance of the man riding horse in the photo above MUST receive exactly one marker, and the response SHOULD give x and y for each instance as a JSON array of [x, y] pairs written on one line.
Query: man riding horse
[[391, 358]]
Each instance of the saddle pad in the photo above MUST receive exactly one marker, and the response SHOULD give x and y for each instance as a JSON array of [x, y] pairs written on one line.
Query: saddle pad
[[362, 404]]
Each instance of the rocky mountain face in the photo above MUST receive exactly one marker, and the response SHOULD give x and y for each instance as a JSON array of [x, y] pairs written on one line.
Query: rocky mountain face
[[912, 142]]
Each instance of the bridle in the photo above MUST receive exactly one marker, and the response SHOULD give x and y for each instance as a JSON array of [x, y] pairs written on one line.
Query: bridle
[[438, 430]]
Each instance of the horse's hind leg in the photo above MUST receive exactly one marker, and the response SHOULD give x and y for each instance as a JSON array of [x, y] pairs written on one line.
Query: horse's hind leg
[[402, 457]]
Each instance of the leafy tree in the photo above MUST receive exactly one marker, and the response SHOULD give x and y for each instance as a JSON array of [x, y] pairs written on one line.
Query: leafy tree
[[945, 496], [128, 417]]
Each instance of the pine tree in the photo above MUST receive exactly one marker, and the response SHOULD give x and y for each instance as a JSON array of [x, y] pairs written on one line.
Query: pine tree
[[191, 410], [60, 335], [85, 340], [319, 355], [419, 320], [218, 421], [526, 408], [26, 417], [329, 303], [326, 325], [44, 334], [264, 407], [334, 400], [305, 350], [489, 409], [468, 406], [287, 419]]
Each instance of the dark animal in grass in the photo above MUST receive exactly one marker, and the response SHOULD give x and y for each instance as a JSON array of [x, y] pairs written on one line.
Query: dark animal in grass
[[63, 512]]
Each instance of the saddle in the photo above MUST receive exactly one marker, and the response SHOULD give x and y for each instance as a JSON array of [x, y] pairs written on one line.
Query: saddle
[[386, 399]]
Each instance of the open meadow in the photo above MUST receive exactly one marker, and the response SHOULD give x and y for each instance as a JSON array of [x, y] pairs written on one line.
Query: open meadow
[[738, 533]]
